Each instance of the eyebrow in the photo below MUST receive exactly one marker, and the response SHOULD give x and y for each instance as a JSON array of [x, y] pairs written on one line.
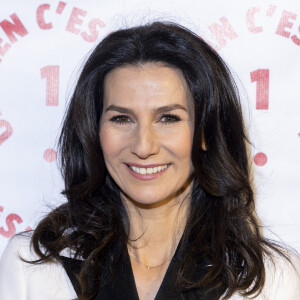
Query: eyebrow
[[158, 110]]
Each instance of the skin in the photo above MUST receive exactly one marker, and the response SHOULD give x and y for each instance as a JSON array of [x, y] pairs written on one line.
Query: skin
[[142, 134]]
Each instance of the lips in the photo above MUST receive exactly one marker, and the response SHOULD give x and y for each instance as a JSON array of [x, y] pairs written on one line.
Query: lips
[[144, 166]]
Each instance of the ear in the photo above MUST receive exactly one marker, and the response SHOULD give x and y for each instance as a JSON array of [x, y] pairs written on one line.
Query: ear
[[203, 144]]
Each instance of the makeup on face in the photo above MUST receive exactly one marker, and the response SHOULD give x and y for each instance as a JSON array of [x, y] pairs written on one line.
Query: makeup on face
[[146, 131]]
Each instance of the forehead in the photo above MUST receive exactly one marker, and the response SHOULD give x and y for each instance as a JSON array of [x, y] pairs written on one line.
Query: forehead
[[151, 84]]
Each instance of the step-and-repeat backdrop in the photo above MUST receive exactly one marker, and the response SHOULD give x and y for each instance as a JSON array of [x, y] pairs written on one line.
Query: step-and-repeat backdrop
[[43, 44]]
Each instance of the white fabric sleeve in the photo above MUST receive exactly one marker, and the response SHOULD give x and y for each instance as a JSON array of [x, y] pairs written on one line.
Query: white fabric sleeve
[[282, 279], [12, 281], [23, 281], [283, 282]]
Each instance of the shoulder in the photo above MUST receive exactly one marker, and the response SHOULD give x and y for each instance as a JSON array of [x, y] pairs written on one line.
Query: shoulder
[[22, 281], [19, 245], [282, 281], [282, 277]]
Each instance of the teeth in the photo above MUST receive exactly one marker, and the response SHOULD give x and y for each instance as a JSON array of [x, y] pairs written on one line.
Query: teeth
[[148, 170]]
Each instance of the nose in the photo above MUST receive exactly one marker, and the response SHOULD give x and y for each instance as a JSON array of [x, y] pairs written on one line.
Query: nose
[[145, 142]]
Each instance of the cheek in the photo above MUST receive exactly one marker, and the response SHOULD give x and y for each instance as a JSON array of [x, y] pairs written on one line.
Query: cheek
[[180, 144], [110, 143]]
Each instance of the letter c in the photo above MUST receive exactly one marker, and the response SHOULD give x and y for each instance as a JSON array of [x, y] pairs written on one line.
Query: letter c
[[40, 16]]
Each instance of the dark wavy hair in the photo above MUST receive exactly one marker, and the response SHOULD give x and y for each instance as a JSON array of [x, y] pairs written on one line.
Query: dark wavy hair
[[221, 225]]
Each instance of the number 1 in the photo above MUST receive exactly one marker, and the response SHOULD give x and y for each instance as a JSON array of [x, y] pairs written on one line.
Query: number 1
[[261, 76], [51, 73]]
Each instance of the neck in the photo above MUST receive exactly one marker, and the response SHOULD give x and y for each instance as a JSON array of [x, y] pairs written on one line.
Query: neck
[[155, 230]]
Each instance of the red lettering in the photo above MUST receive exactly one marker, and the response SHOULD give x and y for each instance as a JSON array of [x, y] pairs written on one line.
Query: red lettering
[[40, 18], [261, 76], [250, 20], [75, 20], [284, 23], [10, 225], [61, 6], [7, 133], [295, 39], [271, 10], [51, 73], [15, 27], [222, 31], [92, 37], [4, 48]]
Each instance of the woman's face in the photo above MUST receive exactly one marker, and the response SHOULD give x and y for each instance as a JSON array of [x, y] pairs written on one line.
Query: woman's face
[[146, 131]]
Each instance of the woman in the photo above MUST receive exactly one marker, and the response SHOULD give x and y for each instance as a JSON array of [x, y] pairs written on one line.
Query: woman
[[153, 154]]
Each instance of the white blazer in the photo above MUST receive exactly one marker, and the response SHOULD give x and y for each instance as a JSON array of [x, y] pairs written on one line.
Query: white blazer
[[22, 281]]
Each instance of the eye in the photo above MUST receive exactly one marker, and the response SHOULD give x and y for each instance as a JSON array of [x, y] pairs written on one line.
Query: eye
[[167, 119], [120, 119]]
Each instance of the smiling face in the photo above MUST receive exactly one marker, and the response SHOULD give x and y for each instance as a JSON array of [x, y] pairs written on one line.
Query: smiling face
[[146, 131]]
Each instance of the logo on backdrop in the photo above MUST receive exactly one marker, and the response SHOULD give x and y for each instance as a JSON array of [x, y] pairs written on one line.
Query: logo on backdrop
[[15, 27]]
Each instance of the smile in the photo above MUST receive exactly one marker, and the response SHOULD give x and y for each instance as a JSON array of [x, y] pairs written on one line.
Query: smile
[[148, 170], [147, 173]]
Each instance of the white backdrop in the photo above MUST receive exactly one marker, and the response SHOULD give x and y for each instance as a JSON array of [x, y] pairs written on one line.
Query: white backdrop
[[44, 43]]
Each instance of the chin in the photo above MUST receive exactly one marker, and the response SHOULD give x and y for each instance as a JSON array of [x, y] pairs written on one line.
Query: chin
[[148, 199]]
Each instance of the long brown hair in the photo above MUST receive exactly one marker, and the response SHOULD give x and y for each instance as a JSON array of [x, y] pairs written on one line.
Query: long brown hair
[[221, 227]]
